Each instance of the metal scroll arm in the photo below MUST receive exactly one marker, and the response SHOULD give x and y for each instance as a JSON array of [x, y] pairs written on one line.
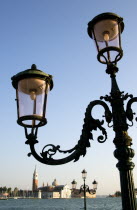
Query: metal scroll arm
[[89, 125], [129, 112]]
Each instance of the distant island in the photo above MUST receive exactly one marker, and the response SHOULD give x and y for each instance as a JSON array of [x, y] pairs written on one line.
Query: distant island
[[116, 194]]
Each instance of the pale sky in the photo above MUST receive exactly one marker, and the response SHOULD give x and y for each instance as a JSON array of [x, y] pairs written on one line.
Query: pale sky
[[53, 35]]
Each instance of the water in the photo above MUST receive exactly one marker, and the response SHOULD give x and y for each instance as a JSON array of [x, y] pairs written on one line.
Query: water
[[61, 204]]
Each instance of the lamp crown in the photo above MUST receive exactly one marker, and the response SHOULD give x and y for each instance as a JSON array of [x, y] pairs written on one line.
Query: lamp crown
[[104, 16], [33, 66], [30, 73]]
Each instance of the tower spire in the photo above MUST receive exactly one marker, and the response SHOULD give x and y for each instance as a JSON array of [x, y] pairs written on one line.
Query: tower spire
[[35, 180]]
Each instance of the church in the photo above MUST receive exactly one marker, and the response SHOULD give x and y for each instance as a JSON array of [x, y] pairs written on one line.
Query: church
[[50, 191]]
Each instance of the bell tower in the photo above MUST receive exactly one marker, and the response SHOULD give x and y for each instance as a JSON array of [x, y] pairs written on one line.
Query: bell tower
[[35, 180]]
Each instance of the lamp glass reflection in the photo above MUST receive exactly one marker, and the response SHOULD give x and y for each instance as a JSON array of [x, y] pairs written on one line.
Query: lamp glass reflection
[[31, 97]]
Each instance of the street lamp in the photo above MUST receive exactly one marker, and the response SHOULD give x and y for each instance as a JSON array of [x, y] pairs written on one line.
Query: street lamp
[[106, 31], [85, 188], [32, 87]]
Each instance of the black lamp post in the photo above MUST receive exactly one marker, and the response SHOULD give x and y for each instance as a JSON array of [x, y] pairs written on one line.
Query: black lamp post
[[106, 30], [32, 88], [85, 188]]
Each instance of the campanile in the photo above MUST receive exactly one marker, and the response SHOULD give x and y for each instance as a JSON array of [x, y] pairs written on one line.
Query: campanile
[[35, 180]]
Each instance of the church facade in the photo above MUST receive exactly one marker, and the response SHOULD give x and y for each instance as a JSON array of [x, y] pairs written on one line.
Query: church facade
[[59, 191], [53, 191]]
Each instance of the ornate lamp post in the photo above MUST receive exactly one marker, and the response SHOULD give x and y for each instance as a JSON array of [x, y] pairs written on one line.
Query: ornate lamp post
[[85, 188], [106, 31], [32, 87]]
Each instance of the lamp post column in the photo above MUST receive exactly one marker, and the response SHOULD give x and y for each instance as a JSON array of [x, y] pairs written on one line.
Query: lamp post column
[[124, 153], [84, 196]]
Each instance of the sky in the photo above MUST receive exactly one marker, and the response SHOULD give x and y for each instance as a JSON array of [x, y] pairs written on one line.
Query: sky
[[53, 35]]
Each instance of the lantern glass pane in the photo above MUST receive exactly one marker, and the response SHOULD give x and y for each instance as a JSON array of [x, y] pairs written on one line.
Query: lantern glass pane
[[106, 34], [32, 93], [84, 174], [74, 184], [95, 185], [106, 30]]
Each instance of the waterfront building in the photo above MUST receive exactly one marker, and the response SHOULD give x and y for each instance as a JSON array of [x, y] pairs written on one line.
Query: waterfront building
[[58, 191], [55, 190], [75, 194], [63, 190]]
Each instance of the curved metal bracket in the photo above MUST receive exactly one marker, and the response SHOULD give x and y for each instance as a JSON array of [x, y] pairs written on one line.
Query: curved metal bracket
[[89, 125], [129, 113], [86, 189]]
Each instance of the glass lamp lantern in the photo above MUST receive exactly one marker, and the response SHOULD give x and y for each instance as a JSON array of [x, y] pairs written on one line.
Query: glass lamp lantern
[[84, 174], [94, 185], [32, 86], [106, 30], [74, 184]]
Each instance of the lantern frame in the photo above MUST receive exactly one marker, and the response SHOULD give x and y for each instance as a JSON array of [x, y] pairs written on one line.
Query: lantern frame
[[95, 183], [35, 74], [74, 184], [107, 49], [84, 174]]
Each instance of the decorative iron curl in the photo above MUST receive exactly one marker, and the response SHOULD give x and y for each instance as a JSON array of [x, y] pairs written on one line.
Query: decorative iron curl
[[129, 112], [94, 124], [84, 187], [78, 150]]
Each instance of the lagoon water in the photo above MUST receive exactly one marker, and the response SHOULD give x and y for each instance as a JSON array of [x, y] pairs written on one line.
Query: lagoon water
[[61, 204]]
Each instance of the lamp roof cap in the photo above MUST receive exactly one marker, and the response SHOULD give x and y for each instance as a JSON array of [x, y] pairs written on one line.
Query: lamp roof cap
[[105, 16], [30, 73]]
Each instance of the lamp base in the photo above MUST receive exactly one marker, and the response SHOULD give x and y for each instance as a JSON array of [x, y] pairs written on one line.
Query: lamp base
[[105, 55], [32, 121]]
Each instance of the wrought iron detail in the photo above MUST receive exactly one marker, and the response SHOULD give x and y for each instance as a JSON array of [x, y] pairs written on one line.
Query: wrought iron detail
[[78, 150], [129, 112], [86, 189]]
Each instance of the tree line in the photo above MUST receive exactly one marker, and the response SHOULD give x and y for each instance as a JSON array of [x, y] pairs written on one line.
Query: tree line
[[14, 192]]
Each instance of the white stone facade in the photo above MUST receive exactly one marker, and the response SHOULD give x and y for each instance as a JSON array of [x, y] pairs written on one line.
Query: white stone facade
[[65, 192], [59, 191]]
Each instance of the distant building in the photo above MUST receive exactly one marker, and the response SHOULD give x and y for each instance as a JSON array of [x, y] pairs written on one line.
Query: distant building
[[47, 192], [58, 191], [35, 181], [55, 190], [75, 194], [63, 190]]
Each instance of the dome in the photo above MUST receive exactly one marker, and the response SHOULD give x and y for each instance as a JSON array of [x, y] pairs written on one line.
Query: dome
[[55, 183]]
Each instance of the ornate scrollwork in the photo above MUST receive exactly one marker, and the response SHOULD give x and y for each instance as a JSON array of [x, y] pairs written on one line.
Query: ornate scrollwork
[[89, 125], [129, 112], [85, 188], [53, 150], [115, 95]]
